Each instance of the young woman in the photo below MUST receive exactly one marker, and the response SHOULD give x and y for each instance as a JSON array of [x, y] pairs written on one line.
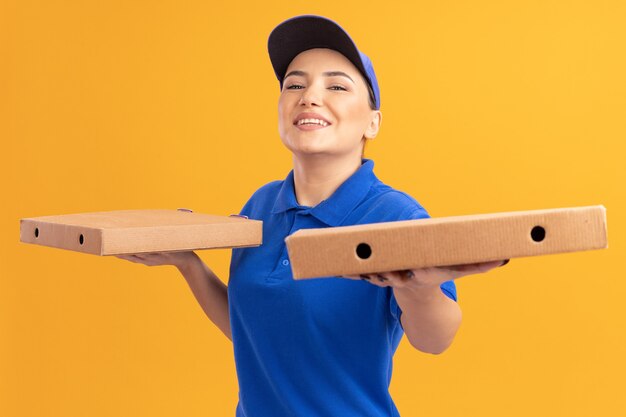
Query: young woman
[[322, 347]]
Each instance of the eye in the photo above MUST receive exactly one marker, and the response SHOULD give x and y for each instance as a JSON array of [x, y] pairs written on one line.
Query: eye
[[339, 87], [292, 85]]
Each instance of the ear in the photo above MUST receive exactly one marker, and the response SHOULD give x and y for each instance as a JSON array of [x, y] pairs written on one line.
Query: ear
[[374, 126]]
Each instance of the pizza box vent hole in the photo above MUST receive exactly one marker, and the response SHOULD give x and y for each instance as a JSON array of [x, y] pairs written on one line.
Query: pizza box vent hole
[[363, 251], [538, 233]]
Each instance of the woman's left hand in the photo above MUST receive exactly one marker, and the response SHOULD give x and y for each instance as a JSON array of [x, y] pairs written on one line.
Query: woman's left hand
[[418, 279]]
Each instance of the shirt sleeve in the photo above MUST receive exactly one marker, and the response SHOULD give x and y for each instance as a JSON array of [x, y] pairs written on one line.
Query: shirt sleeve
[[448, 287]]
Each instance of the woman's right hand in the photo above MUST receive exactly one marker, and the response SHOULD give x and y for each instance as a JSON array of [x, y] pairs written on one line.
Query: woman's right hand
[[178, 259]]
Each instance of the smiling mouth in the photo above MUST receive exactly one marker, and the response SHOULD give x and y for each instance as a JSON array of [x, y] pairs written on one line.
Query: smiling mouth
[[311, 122]]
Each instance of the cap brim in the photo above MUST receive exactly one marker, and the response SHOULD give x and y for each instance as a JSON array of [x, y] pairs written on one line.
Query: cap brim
[[305, 32]]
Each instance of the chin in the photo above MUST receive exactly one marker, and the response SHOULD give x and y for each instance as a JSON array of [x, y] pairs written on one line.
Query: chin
[[307, 150]]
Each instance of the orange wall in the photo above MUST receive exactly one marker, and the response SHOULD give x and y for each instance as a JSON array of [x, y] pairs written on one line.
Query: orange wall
[[488, 106]]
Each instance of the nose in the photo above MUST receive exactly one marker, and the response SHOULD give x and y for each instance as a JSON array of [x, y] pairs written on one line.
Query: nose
[[310, 97]]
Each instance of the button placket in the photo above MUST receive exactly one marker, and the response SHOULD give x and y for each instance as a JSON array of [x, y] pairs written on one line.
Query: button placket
[[282, 263]]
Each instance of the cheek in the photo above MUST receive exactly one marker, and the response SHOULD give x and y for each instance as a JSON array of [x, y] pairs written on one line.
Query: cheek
[[355, 114], [282, 114]]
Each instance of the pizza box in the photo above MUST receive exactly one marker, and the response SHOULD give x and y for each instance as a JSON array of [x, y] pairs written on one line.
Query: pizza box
[[139, 231], [444, 241]]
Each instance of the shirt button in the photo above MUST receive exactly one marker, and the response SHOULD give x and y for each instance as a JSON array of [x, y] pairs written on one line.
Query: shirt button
[[285, 262]]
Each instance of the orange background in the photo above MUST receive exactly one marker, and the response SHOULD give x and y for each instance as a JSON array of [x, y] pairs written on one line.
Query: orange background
[[488, 106]]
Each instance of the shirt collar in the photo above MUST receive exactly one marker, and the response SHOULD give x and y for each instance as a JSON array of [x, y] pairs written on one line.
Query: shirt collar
[[340, 204]]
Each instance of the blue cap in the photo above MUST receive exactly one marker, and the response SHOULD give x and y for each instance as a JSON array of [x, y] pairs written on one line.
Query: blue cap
[[305, 32]]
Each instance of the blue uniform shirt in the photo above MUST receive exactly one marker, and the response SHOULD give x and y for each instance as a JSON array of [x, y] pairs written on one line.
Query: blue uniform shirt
[[316, 347]]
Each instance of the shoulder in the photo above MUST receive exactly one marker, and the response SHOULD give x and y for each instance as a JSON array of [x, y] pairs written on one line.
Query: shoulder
[[261, 198], [268, 190], [385, 203]]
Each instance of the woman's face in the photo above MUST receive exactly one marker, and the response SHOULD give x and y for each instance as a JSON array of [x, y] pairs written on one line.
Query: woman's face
[[325, 83]]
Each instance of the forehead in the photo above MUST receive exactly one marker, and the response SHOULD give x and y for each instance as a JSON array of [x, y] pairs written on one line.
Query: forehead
[[322, 59]]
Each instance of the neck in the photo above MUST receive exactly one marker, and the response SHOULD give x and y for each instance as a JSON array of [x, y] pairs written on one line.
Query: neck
[[316, 177]]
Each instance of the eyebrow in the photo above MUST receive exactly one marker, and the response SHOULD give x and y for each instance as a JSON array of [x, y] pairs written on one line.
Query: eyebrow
[[327, 74]]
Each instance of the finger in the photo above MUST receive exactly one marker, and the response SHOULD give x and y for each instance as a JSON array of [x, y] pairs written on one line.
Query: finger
[[380, 281], [383, 279], [374, 279], [454, 268], [149, 259], [409, 273], [470, 269], [355, 277], [400, 279], [131, 258], [405, 275], [487, 266], [403, 278], [361, 277]]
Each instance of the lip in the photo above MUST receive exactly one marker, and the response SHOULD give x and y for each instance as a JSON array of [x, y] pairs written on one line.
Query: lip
[[310, 115], [310, 127]]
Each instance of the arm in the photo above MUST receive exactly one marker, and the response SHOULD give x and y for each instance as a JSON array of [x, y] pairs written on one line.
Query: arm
[[430, 318], [210, 292]]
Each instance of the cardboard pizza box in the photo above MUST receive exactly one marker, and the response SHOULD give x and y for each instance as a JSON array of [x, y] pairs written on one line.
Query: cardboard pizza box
[[137, 231], [412, 244]]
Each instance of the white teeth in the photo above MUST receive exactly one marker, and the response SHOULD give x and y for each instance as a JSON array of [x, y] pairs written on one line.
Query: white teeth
[[312, 121]]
